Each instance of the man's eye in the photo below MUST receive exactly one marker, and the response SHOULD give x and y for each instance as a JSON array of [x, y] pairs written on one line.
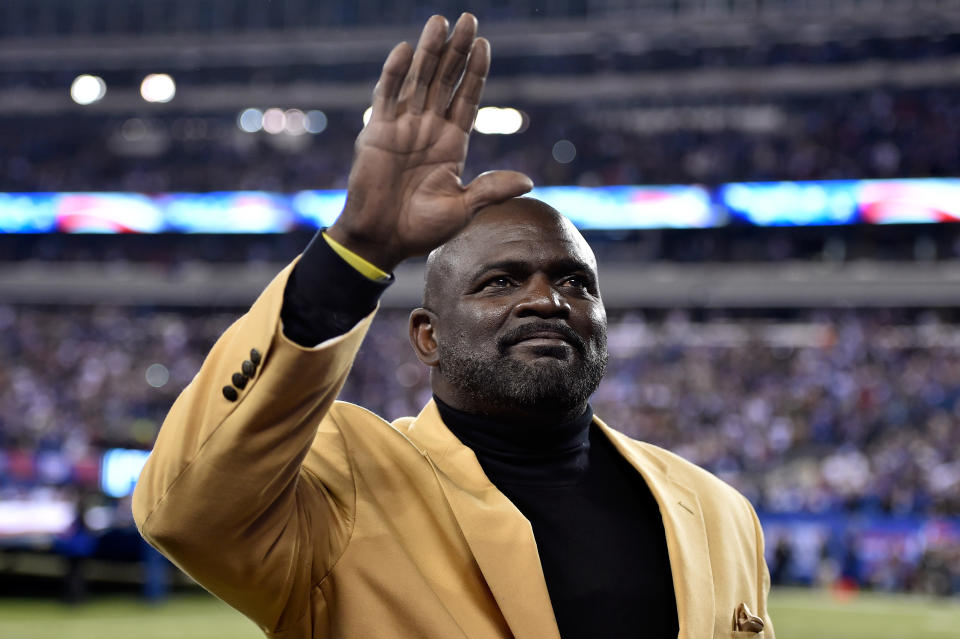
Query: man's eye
[[576, 281], [497, 282]]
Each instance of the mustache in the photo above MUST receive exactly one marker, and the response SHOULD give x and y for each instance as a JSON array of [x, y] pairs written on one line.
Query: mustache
[[525, 331]]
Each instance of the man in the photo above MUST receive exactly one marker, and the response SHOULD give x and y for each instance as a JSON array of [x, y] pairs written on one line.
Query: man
[[505, 508]]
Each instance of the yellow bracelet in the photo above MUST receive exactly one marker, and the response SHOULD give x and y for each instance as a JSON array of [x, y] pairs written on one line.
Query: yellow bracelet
[[365, 268]]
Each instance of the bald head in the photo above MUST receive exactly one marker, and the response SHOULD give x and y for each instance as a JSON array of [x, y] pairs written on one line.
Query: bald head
[[518, 217], [513, 324]]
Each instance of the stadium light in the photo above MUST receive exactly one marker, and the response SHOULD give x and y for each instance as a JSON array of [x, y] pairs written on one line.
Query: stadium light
[[564, 151], [498, 121], [158, 87], [274, 120], [295, 122], [250, 120], [87, 89], [316, 121]]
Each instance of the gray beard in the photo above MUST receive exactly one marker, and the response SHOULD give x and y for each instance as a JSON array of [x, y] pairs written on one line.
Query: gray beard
[[505, 382]]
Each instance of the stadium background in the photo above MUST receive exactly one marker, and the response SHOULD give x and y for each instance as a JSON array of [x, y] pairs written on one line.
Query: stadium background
[[796, 333]]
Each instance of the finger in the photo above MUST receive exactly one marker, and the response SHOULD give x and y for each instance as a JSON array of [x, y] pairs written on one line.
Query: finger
[[452, 63], [493, 187], [387, 90], [463, 109], [413, 93]]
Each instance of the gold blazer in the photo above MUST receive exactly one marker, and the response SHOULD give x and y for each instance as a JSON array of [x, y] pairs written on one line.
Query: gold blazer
[[317, 518]]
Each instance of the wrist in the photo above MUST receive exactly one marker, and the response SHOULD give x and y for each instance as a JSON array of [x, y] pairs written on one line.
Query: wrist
[[370, 249]]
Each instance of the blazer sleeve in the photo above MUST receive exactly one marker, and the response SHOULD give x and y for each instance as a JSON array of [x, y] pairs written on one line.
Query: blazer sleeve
[[224, 495]]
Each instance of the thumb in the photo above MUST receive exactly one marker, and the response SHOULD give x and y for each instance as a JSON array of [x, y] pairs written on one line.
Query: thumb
[[493, 187]]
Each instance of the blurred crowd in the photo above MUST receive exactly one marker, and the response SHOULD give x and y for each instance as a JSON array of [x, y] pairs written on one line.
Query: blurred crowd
[[824, 414], [875, 134]]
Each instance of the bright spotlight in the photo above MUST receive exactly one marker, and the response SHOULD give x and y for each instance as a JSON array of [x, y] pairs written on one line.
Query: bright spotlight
[[274, 121], [87, 89], [250, 120], [158, 87], [316, 121], [295, 122], [367, 114], [494, 120]]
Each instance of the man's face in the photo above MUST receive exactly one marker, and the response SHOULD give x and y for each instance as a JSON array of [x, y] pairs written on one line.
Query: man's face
[[521, 324]]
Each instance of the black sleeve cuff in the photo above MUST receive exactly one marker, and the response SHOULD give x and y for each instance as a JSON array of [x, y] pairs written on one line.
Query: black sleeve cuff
[[325, 296]]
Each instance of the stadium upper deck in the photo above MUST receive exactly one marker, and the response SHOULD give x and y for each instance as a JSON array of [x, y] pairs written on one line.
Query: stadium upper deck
[[67, 17]]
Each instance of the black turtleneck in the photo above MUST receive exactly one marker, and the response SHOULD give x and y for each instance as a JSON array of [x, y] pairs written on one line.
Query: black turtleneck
[[598, 528]]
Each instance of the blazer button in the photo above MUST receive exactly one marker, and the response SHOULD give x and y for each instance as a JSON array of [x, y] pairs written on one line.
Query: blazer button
[[239, 380], [248, 368], [230, 393], [255, 356]]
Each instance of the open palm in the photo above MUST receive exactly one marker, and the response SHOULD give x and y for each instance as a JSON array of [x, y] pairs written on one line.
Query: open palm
[[404, 195]]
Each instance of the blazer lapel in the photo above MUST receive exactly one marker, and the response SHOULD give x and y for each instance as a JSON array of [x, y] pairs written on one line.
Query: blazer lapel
[[500, 537], [686, 535]]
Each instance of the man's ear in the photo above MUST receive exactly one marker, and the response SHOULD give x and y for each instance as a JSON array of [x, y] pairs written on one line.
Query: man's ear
[[423, 325]]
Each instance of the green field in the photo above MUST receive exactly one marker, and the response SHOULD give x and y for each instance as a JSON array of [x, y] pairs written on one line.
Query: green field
[[798, 614]]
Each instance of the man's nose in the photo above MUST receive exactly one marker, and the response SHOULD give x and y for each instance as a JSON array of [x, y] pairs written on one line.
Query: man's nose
[[541, 299]]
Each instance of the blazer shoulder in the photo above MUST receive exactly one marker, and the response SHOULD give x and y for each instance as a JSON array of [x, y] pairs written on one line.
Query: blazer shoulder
[[348, 412], [348, 418], [699, 479], [403, 424], [336, 425]]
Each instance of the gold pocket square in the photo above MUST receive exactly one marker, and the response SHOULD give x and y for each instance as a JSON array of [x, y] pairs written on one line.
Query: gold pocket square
[[746, 621]]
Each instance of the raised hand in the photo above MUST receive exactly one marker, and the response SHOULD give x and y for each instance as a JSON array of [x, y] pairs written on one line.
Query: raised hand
[[404, 195]]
